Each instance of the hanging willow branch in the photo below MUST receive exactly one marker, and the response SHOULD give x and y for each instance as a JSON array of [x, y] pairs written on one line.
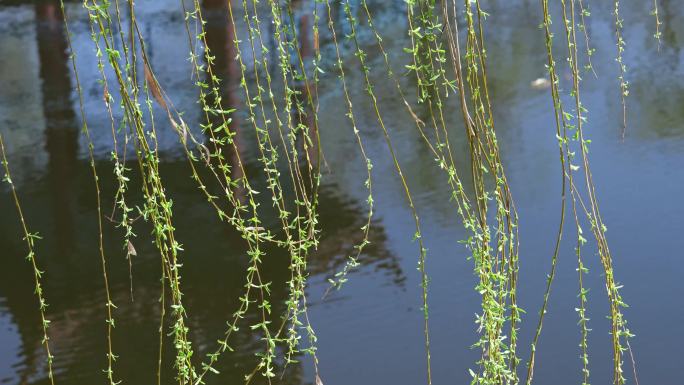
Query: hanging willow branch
[[279, 97], [30, 239]]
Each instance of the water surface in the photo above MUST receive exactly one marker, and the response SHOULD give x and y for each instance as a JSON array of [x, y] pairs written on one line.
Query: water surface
[[371, 331]]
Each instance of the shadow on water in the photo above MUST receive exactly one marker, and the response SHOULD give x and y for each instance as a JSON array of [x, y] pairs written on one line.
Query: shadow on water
[[76, 297]]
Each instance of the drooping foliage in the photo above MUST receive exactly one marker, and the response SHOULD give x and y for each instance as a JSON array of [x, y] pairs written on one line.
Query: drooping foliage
[[447, 62]]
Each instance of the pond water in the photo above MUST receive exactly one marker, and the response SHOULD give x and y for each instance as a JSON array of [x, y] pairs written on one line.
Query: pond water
[[370, 332]]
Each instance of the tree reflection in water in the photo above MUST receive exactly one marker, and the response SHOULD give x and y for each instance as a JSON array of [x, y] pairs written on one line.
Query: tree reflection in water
[[215, 260]]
